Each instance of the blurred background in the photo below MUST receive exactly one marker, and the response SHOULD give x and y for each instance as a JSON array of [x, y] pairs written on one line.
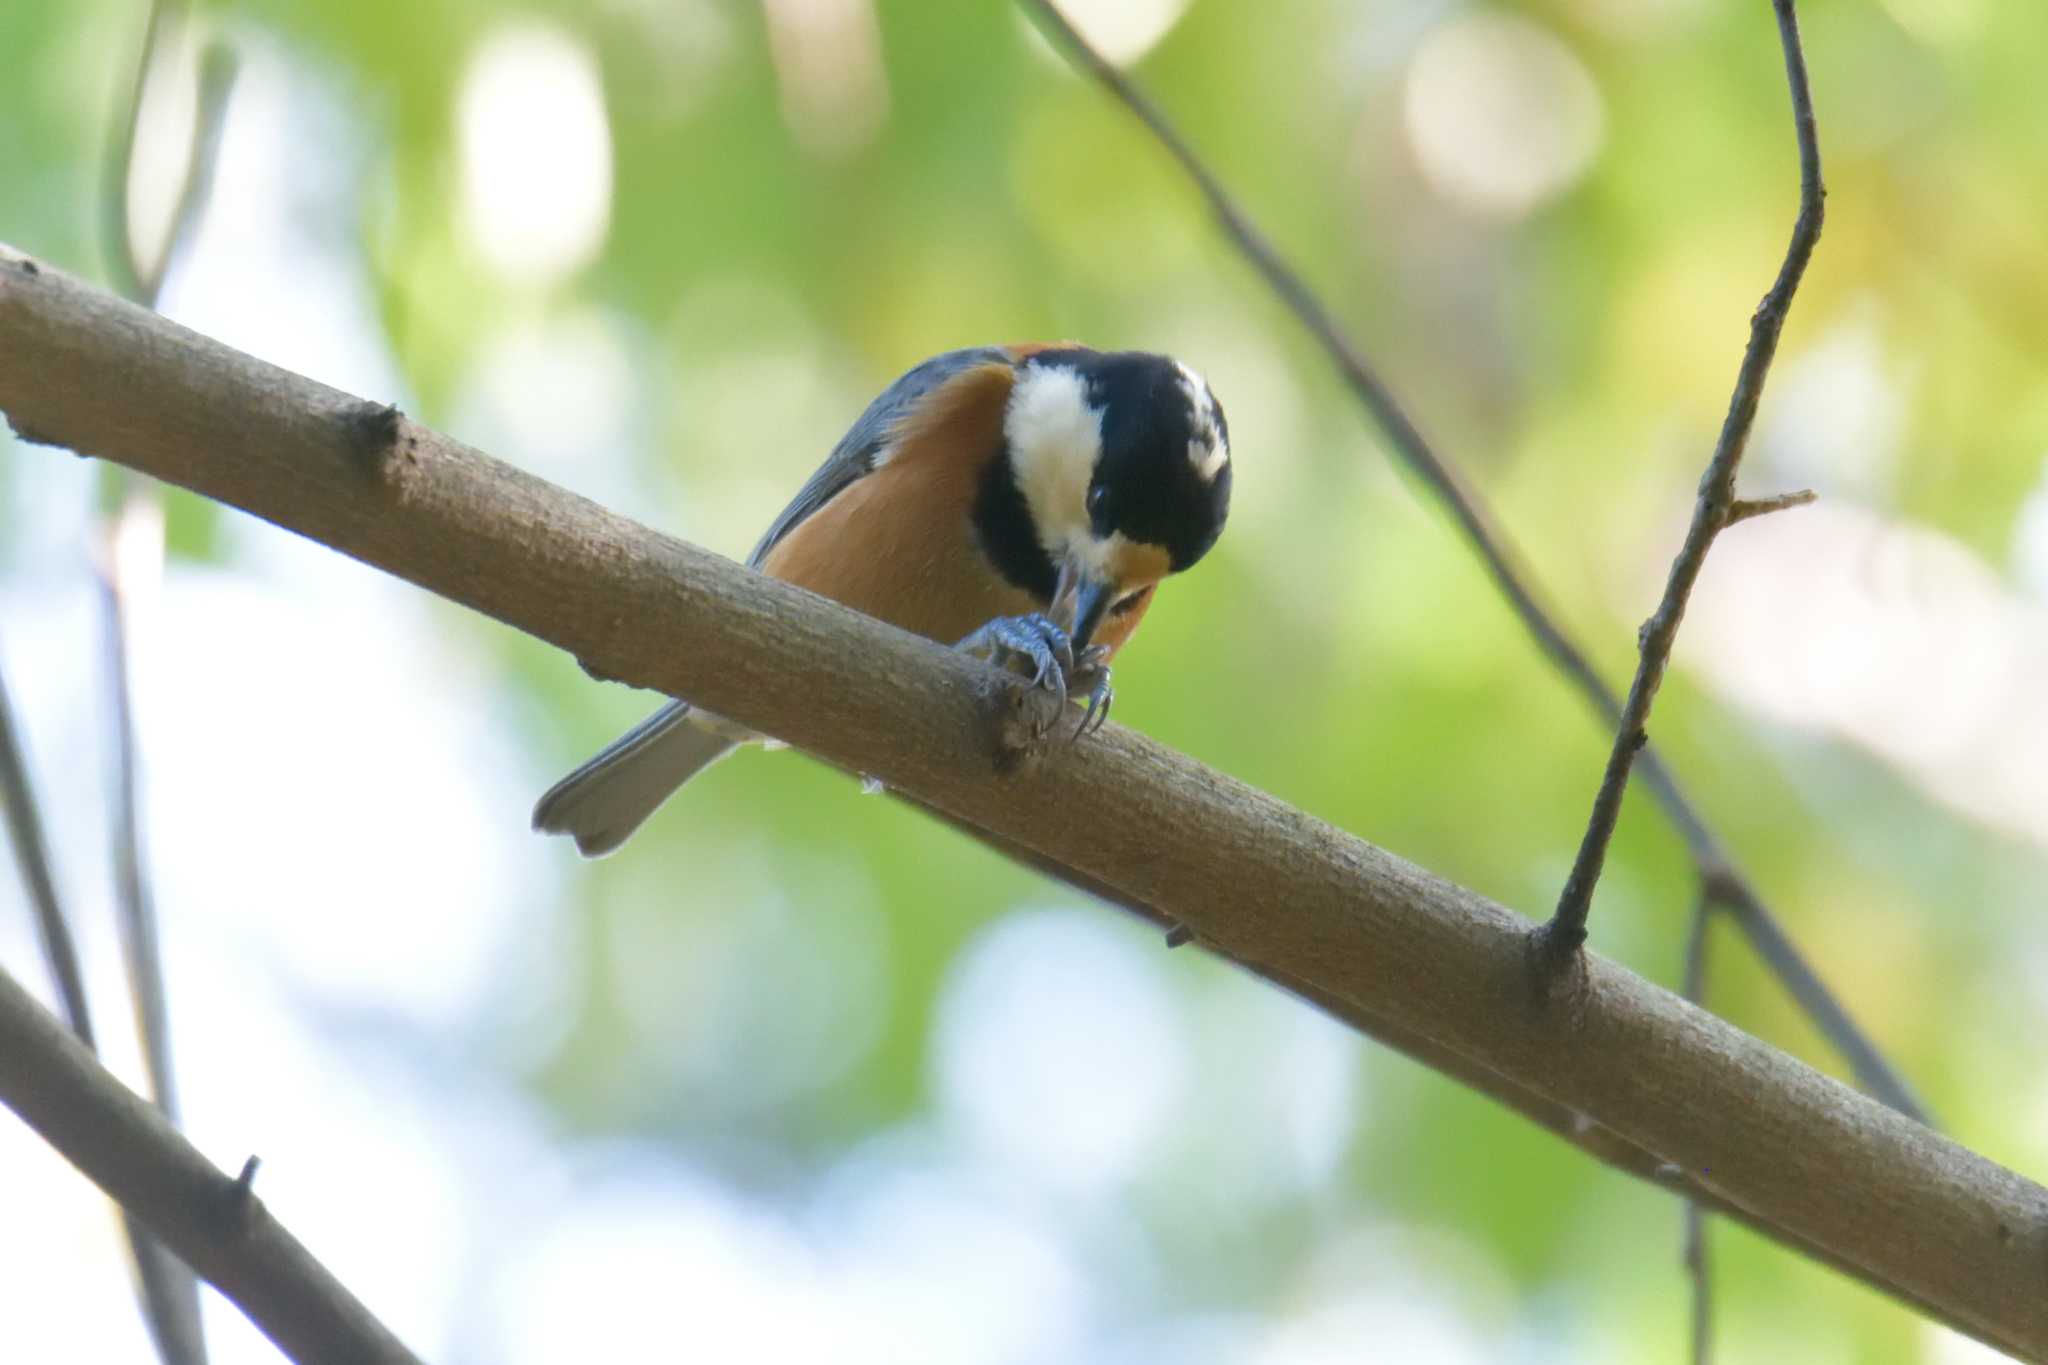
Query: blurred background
[[802, 1075]]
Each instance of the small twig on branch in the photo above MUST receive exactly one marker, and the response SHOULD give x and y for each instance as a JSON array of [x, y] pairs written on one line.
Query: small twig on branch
[[1808, 1160], [1566, 930], [127, 1147], [1742, 509], [1513, 579]]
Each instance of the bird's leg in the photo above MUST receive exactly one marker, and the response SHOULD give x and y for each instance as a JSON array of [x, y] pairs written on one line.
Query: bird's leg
[[1034, 641], [1091, 670]]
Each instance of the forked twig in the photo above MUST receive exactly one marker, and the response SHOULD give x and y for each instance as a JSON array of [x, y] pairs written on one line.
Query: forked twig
[[1513, 579], [1711, 512]]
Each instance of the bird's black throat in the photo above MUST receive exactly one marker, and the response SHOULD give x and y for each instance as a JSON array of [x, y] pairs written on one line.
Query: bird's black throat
[[1003, 526]]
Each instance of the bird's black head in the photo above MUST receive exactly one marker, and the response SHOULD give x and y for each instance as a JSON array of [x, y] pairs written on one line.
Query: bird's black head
[[1163, 475], [1120, 465]]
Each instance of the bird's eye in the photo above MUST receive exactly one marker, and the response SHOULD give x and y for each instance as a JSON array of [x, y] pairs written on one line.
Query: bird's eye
[[1097, 497]]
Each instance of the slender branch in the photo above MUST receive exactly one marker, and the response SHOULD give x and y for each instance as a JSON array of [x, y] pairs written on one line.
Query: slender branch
[[1304, 905], [1698, 1265], [140, 280], [1567, 927], [1699, 1270], [218, 69], [170, 1297], [140, 506], [214, 1222], [116, 218], [1506, 568], [32, 855], [140, 939], [170, 1294]]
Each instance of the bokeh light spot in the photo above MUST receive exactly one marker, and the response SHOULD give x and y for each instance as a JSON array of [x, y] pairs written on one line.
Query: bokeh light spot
[[536, 153], [1059, 1046], [1502, 116]]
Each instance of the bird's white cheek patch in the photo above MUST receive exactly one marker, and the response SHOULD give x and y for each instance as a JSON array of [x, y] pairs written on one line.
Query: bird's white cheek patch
[[1055, 436], [1208, 460]]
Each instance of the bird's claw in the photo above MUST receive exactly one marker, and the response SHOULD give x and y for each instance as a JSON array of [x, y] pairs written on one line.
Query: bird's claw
[[1091, 671], [1038, 643], [1033, 640]]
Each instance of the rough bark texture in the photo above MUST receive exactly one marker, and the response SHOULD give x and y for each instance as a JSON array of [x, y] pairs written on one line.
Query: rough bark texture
[[1316, 910]]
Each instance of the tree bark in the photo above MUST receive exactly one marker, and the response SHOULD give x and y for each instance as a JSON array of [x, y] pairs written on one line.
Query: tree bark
[[1443, 971]]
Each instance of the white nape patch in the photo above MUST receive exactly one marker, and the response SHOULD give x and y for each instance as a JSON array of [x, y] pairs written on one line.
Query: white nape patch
[[1055, 437], [1208, 452]]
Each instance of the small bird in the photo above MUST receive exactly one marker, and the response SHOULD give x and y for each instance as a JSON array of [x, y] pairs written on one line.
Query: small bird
[[1024, 501]]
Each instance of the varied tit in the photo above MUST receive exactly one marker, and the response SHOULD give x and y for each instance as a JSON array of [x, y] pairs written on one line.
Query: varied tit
[[1023, 500]]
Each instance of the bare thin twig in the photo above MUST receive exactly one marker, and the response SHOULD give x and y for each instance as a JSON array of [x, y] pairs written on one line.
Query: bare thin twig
[[170, 1297], [1698, 1264], [140, 280], [140, 939], [1816, 1164], [32, 854], [1699, 1269], [1566, 930], [1508, 572], [170, 1294]]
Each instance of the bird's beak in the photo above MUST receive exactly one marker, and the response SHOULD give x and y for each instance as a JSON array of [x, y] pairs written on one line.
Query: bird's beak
[[1079, 598]]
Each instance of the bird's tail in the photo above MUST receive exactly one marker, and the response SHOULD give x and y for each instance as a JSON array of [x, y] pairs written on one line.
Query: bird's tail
[[605, 800]]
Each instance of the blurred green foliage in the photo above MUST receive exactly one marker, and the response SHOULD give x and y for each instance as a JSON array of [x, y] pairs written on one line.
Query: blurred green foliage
[[1342, 648]]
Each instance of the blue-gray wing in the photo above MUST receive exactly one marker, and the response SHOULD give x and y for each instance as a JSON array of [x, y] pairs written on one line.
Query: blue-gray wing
[[858, 450]]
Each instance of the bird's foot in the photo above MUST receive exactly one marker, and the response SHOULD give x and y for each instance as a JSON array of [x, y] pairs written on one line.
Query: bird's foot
[[1091, 670], [1031, 645]]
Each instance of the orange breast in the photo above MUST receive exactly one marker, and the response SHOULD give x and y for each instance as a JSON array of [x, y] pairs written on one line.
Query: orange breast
[[899, 543]]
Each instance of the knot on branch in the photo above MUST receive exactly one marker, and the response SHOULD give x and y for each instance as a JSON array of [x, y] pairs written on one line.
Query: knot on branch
[[373, 431], [1557, 965], [239, 1206], [597, 670], [1026, 717], [24, 432]]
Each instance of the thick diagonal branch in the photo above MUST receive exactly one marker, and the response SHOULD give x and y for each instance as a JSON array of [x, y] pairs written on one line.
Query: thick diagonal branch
[[1307, 906]]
